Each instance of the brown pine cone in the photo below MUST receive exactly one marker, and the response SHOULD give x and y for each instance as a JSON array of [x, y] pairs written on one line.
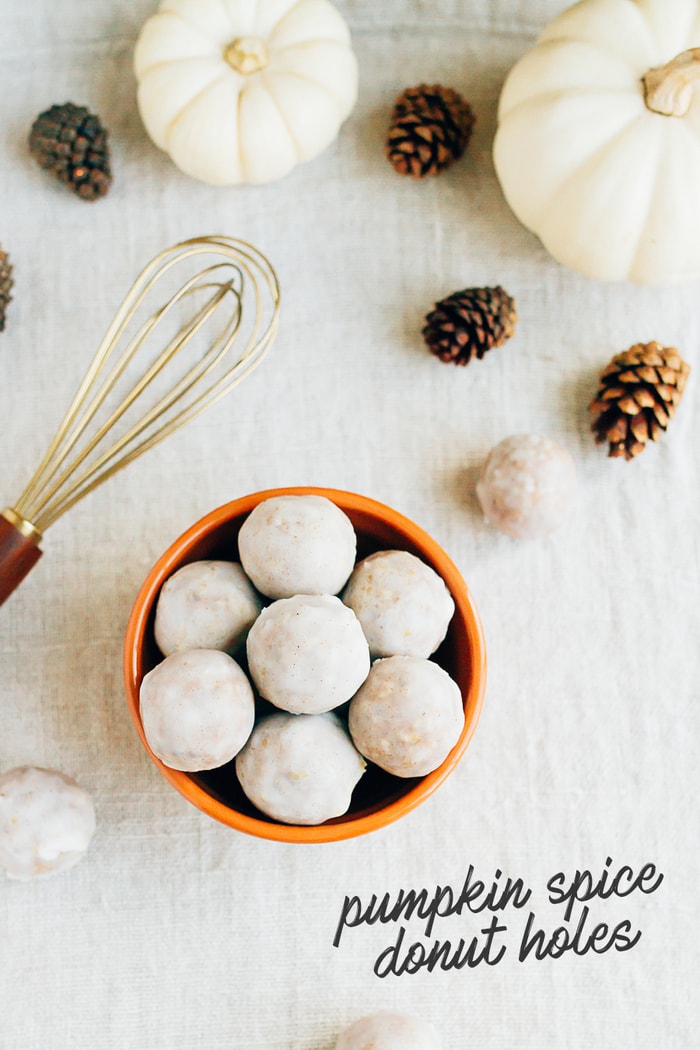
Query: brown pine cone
[[469, 323], [69, 141], [6, 283], [639, 392], [430, 128]]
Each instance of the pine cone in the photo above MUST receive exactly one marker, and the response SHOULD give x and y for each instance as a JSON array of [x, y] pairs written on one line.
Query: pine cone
[[70, 141], [6, 283], [638, 396], [430, 128], [469, 323]]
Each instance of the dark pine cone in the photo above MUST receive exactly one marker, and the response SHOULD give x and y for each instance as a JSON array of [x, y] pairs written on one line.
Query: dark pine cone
[[6, 283], [430, 128], [70, 141], [638, 396], [469, 323]]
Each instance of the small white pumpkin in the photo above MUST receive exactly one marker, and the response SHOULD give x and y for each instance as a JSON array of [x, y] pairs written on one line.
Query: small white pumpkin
[[598, 144], [241, 91]]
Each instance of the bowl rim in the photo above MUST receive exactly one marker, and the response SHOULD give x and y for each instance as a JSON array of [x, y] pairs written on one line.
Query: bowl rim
[[473, 699]]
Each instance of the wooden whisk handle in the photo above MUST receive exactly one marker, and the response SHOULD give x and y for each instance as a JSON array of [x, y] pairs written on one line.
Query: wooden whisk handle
[[19, 551]]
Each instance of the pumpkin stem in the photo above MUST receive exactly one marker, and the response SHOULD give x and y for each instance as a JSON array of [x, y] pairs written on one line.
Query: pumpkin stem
[[669, 89], [246, 54]]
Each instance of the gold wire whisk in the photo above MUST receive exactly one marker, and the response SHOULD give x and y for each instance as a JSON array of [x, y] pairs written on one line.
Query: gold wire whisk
[[237, 283]]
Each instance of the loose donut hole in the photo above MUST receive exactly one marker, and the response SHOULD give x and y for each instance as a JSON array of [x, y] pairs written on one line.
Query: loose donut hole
[[379, 798]]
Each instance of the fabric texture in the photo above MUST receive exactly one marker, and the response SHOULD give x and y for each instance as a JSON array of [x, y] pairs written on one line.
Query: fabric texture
[[176, 931]]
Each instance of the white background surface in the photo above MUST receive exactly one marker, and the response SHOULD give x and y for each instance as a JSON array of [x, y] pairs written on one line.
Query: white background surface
[[178, 932]]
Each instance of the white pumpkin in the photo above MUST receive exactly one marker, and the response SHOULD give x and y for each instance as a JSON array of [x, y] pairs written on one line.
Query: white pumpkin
[[598, 143], [243, 90]]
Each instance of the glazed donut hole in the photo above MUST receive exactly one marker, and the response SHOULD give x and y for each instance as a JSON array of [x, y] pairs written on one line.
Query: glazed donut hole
[[197, 709], [407, 716], [307, 654], [297, 545], [205, 605], [388, 1030], [46, 822], [527, 486], [300, 769], [402, 604]]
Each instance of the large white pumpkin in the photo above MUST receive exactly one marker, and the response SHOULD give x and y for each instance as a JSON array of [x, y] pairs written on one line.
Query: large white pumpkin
[[243, 90], [598, 144]]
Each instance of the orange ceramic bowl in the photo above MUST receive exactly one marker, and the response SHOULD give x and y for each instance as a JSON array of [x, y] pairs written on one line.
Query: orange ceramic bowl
[[379, 798]]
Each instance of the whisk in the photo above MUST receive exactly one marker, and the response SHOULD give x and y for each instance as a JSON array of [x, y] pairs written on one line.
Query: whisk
[[235, 284]]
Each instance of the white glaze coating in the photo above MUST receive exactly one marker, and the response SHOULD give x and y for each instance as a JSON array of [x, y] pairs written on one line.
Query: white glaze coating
[[297, 545], [197, 709], [307, 654], [407, 716], [46, 822], [205, 605], [387, 1030], [403, 605], [527, 486], [300, 769]]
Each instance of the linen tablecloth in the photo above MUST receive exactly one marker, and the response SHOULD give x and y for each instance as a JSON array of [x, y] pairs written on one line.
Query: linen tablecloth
[[175, 931]]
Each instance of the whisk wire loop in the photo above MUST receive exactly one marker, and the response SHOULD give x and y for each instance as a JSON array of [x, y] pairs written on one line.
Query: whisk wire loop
[[243, 277], [87, 483], [195, 373], [139, 290]]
